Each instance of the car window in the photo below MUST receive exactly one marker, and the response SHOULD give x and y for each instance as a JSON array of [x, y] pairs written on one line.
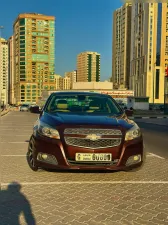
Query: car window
[[82, 104], [24, 105]]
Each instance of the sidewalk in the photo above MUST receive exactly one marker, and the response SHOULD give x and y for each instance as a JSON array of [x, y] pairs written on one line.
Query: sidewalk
[[162, 122], [4, 112], [148, 114]]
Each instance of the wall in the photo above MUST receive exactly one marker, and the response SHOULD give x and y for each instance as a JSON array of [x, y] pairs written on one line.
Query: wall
[[93, 85]]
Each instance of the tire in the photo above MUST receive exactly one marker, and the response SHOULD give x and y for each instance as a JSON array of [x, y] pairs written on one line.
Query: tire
[[31, 158]]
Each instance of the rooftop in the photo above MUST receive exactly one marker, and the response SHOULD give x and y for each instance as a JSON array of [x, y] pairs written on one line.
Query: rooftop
[[89, 52], [78, 93]]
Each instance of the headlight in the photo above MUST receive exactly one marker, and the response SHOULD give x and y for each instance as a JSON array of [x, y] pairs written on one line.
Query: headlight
[[46, 130], [133, 133]]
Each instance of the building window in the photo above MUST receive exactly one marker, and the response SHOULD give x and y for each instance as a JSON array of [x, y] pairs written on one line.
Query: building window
[[22, 28], [22, 33], [157, 84], [89, 68], [159, 22], [22, 22]]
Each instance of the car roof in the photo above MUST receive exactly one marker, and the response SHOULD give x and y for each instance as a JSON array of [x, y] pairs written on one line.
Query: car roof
[[79, 93]]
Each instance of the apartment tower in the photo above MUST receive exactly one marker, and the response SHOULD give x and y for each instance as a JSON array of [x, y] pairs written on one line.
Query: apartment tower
[[11, 98], [121, 46], [72, 75], [88, 67], [149, 52], [34, 56], [3, 71]]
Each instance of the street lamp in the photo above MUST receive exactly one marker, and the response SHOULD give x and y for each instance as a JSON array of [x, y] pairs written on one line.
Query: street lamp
[[1, 27]]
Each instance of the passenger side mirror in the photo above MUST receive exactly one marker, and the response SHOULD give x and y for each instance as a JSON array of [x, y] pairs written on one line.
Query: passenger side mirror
[[41, 111], [129, 112]]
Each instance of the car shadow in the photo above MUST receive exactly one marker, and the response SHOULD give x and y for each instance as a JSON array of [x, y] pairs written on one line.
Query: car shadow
[[80, 171], [13, 203]]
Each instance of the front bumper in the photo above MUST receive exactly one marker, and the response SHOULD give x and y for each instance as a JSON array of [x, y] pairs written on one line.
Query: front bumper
[[54, 148]]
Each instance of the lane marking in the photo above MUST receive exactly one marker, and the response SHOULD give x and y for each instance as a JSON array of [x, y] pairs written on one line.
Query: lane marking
[[154, 155], [16, 125], [149, 155], [13, 155], [19, 135], [15, 129], [86, 182], [12, 142]]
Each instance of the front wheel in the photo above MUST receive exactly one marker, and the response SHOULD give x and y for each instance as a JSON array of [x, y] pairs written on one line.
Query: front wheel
[[31, 159]]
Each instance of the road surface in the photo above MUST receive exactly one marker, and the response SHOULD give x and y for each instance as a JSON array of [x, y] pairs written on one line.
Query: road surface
[[72, 198], [156, 138]]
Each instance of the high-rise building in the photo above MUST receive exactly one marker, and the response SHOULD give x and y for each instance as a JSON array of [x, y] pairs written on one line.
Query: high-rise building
[[121, 46], [66, 83], [88, 67], [72, 75], [34, 54], [11, 98], [57, 82], [149, 52], [62, 83], [3, 71]]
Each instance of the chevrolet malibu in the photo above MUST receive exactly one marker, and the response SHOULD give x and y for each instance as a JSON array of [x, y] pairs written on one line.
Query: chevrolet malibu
[[84, 130]]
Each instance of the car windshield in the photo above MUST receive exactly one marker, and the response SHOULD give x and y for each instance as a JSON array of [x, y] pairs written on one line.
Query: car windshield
[[90, 104], [24, 105]]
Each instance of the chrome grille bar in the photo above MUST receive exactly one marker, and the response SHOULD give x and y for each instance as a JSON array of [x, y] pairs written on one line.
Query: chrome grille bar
[[86, 143], [86, 131]]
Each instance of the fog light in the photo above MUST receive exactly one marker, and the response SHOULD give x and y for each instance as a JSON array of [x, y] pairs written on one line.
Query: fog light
[[136, 158], [43, 157], [133, 160]]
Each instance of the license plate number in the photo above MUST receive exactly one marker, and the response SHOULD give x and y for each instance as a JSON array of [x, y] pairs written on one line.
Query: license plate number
[[98, 157]]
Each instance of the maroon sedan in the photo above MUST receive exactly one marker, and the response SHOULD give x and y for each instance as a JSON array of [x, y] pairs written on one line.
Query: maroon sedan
[[84, 130]]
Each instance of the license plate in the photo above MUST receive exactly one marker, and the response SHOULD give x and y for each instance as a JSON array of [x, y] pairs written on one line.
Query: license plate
[[97, 157]]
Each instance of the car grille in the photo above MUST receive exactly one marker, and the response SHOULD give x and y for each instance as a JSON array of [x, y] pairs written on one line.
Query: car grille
[[86, 131], [85, 143], [112, 163]]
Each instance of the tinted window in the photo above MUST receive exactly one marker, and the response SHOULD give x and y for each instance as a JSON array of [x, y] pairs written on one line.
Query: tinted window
[[25, 105], [92, 104]]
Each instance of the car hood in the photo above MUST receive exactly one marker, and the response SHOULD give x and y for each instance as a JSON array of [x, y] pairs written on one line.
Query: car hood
[[69, 119]]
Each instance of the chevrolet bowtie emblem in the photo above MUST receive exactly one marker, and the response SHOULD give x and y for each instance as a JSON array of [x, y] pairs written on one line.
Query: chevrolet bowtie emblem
[[93, 137]]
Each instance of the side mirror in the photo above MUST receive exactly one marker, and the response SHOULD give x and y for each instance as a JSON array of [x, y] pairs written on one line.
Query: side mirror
[[129, 112], [41, 111]]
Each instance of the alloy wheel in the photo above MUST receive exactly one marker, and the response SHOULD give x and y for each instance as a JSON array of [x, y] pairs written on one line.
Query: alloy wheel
[[31, 157]]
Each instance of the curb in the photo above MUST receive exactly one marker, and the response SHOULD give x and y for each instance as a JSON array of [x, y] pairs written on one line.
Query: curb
[[3, 114], [148, 117]]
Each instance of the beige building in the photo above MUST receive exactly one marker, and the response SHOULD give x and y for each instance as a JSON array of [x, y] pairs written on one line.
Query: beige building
[[3, 71], [88, 67], [72, 75], [93, 85], [11, 71], [66, 83], [62, 83], [57, 82], [121, 46], [34, 56], [149, 52]]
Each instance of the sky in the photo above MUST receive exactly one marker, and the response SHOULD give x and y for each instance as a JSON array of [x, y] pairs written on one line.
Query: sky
[[81, 25]]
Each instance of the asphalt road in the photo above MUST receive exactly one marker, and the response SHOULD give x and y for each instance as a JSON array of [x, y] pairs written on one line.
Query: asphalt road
[[155, 138], [60, 198]]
